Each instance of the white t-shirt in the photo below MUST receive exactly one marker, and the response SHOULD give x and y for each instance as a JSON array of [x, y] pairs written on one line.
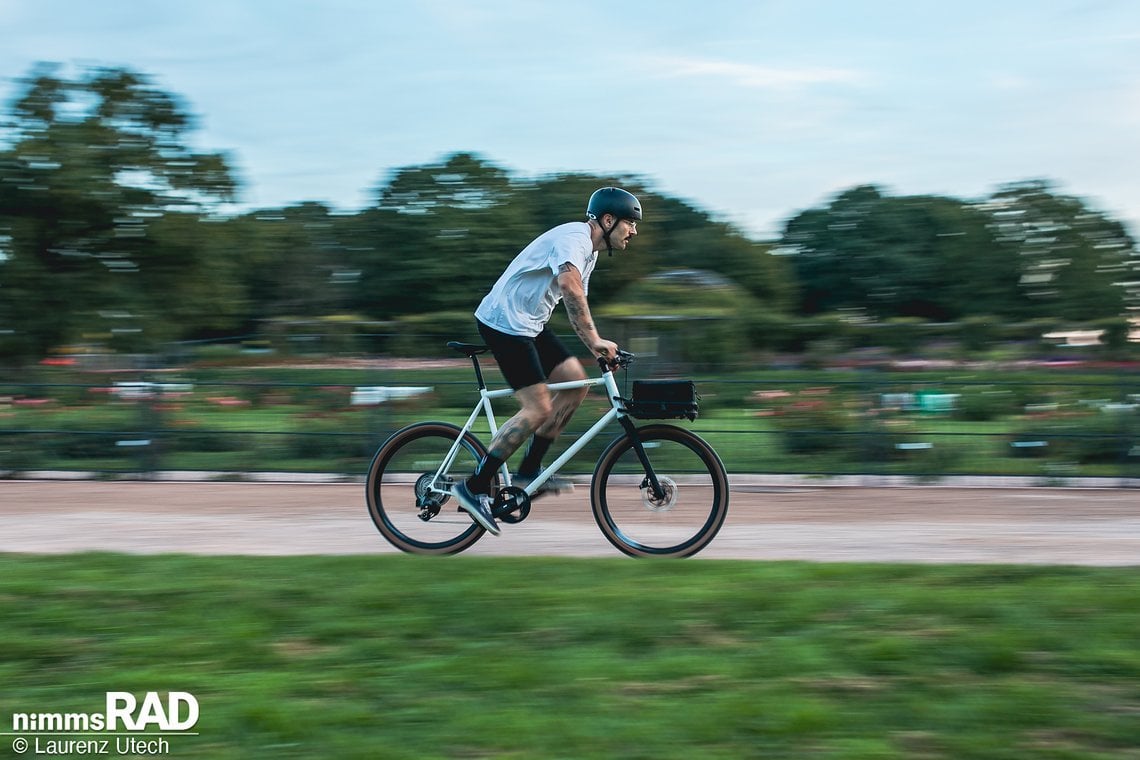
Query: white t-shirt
[[524, 297]]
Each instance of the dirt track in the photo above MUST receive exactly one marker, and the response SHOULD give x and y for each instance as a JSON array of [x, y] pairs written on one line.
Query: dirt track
[[1024, 526]]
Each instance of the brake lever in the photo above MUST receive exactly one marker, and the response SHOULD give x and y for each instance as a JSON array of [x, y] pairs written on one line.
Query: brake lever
[[622, 359]]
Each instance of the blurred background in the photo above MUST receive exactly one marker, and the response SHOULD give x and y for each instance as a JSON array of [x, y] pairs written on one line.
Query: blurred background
[[196, 203]]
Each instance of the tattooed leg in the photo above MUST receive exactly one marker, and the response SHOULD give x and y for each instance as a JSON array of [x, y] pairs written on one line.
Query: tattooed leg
[[510, 437], [564, 403], [536, 411]]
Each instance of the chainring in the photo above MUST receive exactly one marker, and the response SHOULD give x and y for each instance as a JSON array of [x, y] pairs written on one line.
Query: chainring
[[512, 505]]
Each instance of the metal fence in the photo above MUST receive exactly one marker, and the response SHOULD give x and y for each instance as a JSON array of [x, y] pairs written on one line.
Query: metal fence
[[865, 425]]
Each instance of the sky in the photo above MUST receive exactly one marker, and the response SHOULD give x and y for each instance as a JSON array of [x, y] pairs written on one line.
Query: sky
[[751, 110]]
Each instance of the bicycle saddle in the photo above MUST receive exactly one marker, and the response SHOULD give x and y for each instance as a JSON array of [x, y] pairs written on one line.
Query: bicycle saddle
[[467, 349]]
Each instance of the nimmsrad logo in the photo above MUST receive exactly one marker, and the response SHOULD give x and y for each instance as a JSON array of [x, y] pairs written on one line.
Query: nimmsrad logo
[[179, 712]]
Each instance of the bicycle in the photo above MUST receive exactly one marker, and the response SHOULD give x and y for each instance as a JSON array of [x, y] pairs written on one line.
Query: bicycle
[[657, 491]]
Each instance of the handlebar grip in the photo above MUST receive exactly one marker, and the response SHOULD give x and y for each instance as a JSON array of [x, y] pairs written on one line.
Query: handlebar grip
[[623, 359]]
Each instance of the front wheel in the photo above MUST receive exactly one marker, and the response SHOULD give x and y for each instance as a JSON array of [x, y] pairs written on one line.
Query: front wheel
[[678, 521], [408, 493]]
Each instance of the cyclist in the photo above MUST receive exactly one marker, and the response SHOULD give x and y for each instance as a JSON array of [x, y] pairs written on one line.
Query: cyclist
[[512, 318]]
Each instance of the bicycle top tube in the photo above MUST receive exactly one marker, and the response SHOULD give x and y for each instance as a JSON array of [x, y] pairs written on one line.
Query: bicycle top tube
[[587, 383]]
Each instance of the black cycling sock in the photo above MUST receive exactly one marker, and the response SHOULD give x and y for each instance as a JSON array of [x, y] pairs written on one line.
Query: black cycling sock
[[480, 482], [532, 462]]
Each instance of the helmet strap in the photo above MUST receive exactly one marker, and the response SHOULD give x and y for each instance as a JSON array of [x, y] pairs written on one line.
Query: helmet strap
[[606, 237]]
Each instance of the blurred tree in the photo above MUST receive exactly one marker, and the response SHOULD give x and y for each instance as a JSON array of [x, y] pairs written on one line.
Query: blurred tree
[[978, 275], [720, 248], [440, 234], [91, 169], [1025, 253], [925, 257], [463, 181], [292, 262], [190, 286], [1076, 263], [437, 237]]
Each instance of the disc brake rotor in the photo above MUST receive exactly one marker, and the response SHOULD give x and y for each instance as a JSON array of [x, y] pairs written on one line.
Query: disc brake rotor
[[669, 495]]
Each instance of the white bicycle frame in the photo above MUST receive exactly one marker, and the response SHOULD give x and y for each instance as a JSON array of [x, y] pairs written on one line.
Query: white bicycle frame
[[483, 406]]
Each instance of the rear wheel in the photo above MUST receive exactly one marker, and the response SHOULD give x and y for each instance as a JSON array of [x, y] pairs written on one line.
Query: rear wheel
[[677, 522], [409, 500]]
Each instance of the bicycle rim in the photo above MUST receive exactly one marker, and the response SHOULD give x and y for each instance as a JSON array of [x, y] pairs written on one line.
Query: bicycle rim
[[400, 490], [685, 518]]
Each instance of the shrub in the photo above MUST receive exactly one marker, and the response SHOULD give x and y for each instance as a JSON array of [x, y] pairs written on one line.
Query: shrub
[[829, 329], [1089, 439], [979, 405], [428, 334], [1114, 339], [329, 445], [978, 333], [698, 314], [880, 442], [903, 335], [21, 452], [813, 426], [201, 440], [927, 464], [771, 331]]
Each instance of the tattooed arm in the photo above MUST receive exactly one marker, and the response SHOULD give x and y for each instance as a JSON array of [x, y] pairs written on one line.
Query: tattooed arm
[[574, 296]]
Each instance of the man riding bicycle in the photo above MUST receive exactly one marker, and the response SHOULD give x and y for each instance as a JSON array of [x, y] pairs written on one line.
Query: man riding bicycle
[[512, 319]]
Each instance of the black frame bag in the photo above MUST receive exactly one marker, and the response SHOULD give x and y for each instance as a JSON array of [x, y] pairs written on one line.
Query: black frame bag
[[663, 400]]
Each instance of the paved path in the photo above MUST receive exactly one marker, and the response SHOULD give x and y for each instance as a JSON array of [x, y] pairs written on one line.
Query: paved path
[[898, 524]]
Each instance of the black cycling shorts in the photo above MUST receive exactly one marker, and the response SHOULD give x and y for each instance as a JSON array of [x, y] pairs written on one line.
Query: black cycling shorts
[[525, 361]]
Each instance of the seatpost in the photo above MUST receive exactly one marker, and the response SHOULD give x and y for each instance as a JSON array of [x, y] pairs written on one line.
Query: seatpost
[[478, 371]]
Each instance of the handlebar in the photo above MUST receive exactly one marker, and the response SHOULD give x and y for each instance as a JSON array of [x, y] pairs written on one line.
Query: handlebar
[[623, 359]]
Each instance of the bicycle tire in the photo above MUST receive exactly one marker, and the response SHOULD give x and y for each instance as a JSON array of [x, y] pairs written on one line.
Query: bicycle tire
[[696, 502], [400, 465]]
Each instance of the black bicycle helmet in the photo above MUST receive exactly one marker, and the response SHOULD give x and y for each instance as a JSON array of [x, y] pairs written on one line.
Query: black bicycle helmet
[[612, 200]]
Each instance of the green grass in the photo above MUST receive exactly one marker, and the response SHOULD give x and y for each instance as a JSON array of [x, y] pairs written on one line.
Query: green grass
[[408, 657]]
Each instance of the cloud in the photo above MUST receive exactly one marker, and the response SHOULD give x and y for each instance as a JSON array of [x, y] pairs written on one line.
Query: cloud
[[754, 76]]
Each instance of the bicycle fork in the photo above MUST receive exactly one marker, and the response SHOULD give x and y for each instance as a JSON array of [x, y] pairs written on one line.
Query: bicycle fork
[[651, 480]]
